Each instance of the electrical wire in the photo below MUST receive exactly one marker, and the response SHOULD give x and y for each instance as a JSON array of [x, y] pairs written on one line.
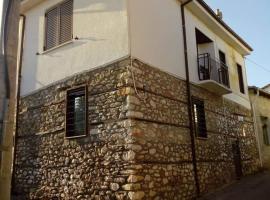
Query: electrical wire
[[258, 65]]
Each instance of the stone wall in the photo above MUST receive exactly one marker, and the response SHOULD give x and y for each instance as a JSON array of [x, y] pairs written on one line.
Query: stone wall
[[138, 144]]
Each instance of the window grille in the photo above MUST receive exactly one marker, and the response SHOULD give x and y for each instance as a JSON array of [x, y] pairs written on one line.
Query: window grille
[[76, 114], [199, 117]]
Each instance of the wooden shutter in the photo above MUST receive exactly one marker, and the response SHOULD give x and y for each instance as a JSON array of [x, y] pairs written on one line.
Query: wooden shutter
[[59, 24], [52, 24], [241, 79], [66, 18]]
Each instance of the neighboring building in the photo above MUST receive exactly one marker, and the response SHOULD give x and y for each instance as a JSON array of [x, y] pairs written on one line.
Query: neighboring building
[[260, 99], [106, 109]]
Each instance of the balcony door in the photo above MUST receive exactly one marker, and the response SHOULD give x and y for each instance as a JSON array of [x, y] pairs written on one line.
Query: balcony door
[[205, 50]]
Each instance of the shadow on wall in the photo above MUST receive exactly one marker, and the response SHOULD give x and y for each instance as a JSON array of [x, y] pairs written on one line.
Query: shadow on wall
[[95, 6]]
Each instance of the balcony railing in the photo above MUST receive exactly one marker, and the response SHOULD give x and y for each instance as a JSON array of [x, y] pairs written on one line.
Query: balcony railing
[[210, 69]]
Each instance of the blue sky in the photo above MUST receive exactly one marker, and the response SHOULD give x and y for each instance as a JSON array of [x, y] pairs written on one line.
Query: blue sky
[[251, 20]]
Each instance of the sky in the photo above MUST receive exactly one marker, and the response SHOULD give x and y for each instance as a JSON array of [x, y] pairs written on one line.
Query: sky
[[251, 20]]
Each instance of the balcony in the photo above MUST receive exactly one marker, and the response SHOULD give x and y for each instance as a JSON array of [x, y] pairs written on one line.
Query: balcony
[[213, 75]]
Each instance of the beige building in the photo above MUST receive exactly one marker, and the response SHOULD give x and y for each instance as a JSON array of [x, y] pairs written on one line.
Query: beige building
[[260, 100]]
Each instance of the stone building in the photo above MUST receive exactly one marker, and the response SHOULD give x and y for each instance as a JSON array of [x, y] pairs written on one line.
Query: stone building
[[260, 100], [118, 101]]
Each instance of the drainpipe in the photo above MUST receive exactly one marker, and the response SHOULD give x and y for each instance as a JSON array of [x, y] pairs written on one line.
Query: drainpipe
[[193, 149], [253, 106], [5, 92], [18, 87]]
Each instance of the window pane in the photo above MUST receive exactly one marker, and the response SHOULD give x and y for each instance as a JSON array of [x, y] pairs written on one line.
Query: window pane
[[79, 115], [199, 118], [76, 113]]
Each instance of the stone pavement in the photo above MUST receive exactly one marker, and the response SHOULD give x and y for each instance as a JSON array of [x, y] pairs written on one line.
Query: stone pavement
[[255, 187]]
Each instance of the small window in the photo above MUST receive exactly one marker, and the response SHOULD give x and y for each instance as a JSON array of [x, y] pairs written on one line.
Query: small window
[[58, 24], [240, 78], [222, 57], [76, 113], [265, 135], [199, 118]]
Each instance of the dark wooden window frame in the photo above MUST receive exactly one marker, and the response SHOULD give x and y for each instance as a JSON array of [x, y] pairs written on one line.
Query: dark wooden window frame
[[240, 78], [265, 135], [74, 89], [58, 5], [200, 131], [225, 57]]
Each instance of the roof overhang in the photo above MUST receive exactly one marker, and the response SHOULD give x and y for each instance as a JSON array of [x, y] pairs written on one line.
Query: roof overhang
[[201, 10], [28, 4]]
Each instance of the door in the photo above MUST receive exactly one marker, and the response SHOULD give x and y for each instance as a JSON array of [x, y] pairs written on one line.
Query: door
[[237, 159]]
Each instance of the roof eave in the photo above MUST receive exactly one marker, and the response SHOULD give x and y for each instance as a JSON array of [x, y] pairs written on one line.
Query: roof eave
[[227, 27]]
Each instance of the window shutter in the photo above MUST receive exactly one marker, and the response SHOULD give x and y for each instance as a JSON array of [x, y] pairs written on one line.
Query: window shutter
[[52, 25], [241, 79], [66, 18]]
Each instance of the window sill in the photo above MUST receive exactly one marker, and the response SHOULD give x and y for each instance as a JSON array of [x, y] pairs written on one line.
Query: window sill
[[56, 47], [201, 138], [75, 137]]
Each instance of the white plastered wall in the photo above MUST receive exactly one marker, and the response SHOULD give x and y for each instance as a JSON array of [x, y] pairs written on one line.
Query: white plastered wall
[[102, 29], [156, 34], [232, 58]]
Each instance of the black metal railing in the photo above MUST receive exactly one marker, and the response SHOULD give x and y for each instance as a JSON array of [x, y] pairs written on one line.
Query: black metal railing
[[211, 69]]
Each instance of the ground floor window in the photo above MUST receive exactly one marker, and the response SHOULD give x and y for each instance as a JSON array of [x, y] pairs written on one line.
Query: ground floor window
[[76, 112], [199, 117]]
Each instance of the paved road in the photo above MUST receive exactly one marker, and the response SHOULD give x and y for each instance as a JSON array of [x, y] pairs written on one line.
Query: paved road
[[250, 188]]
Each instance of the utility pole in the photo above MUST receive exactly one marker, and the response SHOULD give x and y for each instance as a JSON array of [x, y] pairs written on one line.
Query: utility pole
[[8, 88]]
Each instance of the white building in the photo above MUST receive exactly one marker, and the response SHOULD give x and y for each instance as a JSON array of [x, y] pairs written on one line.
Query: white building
[[130, 99], [104, 31]]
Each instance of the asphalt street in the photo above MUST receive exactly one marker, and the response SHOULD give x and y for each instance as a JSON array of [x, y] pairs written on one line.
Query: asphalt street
[[255, 187]]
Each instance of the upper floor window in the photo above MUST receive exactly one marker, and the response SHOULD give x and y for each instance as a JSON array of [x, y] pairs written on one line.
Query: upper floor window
[[58, 24], [241, 79], [199, 118], [265, 135], [76, 122], [222, 57]]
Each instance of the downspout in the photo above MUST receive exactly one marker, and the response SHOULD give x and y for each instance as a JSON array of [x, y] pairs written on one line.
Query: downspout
[[253, 106], [6, 9], [193, 149], [18, 87], [3, 63]]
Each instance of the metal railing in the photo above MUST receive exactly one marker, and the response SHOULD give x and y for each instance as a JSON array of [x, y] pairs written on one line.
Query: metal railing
[[211, 69]]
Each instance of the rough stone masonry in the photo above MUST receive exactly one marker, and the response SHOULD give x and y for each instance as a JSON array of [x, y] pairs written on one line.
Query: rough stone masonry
[[138, 144]]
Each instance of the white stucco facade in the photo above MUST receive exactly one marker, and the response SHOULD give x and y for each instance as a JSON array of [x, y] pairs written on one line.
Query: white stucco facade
[[102, 29], [157, 39], [111, 29], [156, 34]]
